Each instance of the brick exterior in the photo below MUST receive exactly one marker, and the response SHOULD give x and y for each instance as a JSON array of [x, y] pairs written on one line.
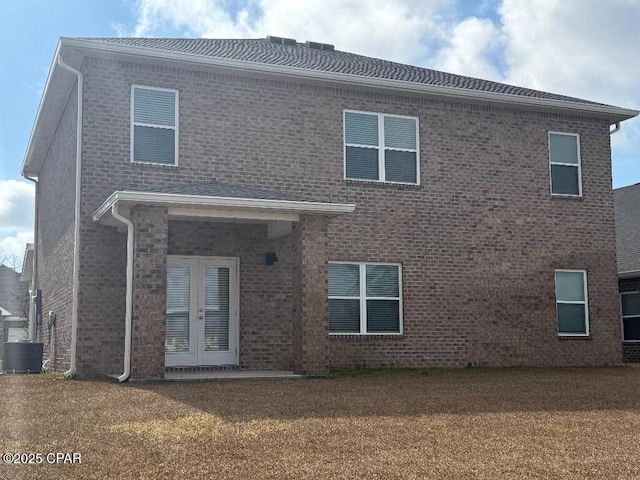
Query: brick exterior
[[478, 239], [56, 210], [630, 351]]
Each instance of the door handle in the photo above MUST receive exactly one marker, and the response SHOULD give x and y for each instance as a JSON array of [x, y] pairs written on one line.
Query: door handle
[[200, 317]]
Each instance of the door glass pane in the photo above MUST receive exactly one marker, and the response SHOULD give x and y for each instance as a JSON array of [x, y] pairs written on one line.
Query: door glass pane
[[216, 319], [178, 301], [570, 286]]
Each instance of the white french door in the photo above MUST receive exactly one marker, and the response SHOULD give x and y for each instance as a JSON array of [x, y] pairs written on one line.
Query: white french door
[[202, 311]]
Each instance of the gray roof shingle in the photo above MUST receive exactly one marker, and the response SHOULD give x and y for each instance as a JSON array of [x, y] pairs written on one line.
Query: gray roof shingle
[[302, 56], [626, 201]]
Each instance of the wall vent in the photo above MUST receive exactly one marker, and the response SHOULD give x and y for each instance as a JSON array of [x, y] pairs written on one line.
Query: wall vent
[[319, 46]]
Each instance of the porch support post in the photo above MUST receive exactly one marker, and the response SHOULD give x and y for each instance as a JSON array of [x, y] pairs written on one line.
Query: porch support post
[[310, 323], [149, 291]]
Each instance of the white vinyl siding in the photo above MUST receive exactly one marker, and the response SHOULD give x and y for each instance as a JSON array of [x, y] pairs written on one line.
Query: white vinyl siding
[[572, 303], [381, 148], [564, 164], [630, 303], [154, 125], [365, 298]]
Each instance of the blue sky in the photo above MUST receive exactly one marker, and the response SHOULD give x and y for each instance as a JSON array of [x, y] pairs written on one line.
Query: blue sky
[[582, 48]]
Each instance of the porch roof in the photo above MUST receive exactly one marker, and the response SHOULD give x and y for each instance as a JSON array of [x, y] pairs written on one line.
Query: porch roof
[[216, 200]]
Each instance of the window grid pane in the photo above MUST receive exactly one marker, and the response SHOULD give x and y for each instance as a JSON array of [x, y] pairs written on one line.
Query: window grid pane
[[563, 148], [154, 107], [570, 286], [362, 163], [361, 129], [630, 304], [565, 180], [400, 132], [572, 318]]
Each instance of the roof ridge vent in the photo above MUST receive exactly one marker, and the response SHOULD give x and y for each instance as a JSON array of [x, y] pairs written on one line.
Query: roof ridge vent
[[281, 40], [319, 46]]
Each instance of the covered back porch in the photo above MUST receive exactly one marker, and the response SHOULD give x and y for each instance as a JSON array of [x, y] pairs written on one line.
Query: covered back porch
[[205, 292]]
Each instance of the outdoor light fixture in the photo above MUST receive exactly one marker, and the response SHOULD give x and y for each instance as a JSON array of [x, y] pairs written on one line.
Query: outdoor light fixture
[[271, 257]]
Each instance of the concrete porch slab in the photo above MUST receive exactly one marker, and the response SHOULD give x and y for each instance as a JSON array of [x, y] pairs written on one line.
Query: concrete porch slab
[[232, 375]]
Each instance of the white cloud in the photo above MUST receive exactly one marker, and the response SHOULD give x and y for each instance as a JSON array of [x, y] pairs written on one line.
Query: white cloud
[[16, 217], [401, 30], [473, 47], [12, 249]]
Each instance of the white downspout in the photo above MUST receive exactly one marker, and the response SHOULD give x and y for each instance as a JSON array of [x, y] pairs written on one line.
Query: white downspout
[[76, 234], [34, 264], [129, 295]]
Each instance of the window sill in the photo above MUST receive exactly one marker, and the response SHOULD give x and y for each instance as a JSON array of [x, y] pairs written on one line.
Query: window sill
[[567, 197], [376, 183], [632, 342], [365, 335], [150, 164], [574, 337]]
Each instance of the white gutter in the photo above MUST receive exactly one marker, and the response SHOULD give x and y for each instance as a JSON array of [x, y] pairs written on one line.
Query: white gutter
[[611, 132], [34, 284], [76, 234], [345, 78], [226, 202], [129, 295]]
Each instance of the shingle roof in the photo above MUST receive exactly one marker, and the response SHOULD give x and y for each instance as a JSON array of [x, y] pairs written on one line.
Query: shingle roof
[[302, 56], [13, 292], [216, 189], [626, 203]]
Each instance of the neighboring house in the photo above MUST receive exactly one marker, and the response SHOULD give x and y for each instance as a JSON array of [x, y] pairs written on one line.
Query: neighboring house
[[418, 218], [626, 201], [14, 306]]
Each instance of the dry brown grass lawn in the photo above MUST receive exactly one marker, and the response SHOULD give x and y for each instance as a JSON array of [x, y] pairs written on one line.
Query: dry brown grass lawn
[[477, 423]]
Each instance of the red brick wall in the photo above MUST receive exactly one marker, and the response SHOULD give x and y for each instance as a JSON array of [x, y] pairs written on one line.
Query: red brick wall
[[479, 238], [54, 242]]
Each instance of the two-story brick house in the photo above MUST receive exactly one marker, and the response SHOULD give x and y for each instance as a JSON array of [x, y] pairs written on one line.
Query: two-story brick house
[[418, 218]]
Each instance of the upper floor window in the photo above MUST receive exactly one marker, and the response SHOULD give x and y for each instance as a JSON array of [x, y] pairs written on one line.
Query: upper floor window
[[154, 125], [571, 302], [365, 298], [630, 316], [564, 163], [381, 148]]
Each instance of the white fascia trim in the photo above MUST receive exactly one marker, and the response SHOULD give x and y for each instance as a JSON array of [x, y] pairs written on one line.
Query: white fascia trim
[[504, 98], [227, 202]]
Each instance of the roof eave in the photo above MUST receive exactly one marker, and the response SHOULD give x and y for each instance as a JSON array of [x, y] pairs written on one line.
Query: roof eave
[[615, 114]]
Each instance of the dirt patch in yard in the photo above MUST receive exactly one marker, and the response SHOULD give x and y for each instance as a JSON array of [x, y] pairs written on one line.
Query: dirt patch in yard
[[476, 423]]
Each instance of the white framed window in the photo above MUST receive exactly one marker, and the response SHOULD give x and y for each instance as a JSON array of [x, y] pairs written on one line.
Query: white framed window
[[572, 303], [630, 305], [564, 164], [381, 148], [154, 125], [365, 298]]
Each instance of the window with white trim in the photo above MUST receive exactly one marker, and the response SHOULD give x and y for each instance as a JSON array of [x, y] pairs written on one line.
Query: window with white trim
[[154, 125], [571, 303], [365, 298], [381, 148], [630, 302], [564, 164]]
